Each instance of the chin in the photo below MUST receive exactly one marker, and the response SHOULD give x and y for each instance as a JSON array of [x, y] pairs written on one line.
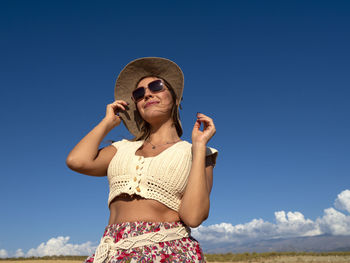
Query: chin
[[155, 115]]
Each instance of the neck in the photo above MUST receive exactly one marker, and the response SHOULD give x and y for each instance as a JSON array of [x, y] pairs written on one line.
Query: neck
[[163, 133]]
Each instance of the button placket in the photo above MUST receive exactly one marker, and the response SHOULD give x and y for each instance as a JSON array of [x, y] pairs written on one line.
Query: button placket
[[139, 168]]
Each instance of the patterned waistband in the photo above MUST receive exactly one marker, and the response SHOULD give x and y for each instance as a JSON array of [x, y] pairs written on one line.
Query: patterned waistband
[[159, 234]]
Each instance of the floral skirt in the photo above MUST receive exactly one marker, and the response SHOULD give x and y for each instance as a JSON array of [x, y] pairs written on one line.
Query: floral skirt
[[184, 250]]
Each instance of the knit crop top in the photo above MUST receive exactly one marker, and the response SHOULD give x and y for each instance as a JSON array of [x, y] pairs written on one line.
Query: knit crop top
[[162, 177]]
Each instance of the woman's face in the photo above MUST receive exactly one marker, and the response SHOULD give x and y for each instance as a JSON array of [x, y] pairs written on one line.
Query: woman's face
[[154, 106]]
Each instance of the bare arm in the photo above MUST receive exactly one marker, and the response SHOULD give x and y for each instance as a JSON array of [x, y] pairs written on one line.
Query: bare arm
[[195, 203], [85, 157]]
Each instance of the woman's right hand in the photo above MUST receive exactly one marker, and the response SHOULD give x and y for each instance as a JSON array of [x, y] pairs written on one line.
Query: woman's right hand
[[112, 112]]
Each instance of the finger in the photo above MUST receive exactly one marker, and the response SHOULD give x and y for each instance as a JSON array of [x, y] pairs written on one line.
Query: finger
[[197, 125], [206, 121], [111, 109], [116, 105], [122, 102], [207, 125], [201, 115]]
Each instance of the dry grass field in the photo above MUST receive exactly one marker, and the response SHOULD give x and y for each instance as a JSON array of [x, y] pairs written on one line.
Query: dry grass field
[[273, 257]]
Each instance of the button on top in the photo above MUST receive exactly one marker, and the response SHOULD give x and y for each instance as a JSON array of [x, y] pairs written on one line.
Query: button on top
[[139, 167]]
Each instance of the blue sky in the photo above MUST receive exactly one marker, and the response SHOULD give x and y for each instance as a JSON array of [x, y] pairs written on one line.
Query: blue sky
[[274, 76]]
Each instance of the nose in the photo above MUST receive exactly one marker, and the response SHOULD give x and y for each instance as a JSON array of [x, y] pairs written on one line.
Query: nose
[[148, 93]]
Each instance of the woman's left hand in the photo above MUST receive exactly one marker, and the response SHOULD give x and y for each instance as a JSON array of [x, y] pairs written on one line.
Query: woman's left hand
[[209, 130]]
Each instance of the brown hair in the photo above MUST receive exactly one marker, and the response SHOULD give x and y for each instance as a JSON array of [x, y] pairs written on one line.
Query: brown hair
[[145, 128]]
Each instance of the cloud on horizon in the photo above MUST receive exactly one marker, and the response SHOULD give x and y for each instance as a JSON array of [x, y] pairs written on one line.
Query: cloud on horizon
[[287, 225], [54, 246], [3, 253]]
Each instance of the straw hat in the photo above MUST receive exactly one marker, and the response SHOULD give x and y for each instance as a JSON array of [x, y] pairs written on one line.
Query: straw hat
[[133, 73]]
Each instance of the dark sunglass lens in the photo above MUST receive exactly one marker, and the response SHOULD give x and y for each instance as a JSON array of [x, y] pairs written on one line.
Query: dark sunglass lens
[[156, 85], [138, 93]]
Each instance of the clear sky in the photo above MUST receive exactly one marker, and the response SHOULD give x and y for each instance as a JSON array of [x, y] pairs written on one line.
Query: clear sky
[[274, 76]]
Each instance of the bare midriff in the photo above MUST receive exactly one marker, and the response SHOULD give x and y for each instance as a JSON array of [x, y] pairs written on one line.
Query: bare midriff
[[126, 208]]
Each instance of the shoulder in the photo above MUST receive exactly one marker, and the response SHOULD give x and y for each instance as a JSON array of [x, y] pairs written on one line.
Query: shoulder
[[124, 143], [188, 146], [185, 144], [210, 152]]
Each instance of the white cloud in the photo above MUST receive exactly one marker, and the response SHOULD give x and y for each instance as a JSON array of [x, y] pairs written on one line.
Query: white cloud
[[19, 253], [226, 232], [60, 246], [54, 246], [334, 222], [287, 225], [343, 201], [291, 224], [3, 253]]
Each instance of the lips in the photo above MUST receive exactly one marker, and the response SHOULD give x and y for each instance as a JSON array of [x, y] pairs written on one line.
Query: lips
[[150, 103]]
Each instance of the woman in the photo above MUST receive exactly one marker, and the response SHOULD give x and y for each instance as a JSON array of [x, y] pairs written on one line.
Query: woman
[[159, 184]]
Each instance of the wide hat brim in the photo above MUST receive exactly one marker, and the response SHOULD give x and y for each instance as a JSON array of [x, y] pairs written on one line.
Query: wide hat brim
[[133, 73]]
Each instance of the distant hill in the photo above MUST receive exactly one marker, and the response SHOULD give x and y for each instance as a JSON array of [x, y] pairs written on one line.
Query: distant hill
[[322, 243]]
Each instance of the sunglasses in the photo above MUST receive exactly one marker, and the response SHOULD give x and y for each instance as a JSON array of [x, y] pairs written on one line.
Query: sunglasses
[[154, 86]]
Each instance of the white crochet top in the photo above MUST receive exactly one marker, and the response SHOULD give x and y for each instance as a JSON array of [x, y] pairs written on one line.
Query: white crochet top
[[162, 177]]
